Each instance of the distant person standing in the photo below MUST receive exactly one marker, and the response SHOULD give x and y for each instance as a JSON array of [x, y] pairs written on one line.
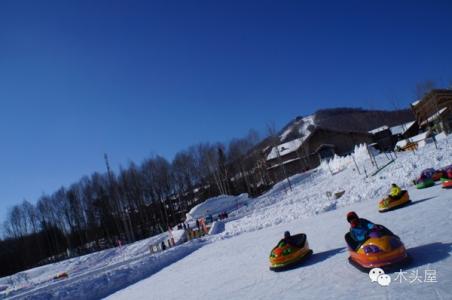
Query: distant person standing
[[163, 246]]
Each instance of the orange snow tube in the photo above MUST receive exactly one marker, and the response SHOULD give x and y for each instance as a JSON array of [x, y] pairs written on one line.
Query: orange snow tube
[[384, 251], [288, 255]]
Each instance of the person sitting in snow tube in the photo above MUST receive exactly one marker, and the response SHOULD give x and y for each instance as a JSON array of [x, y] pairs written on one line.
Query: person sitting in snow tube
[[289, 252], [287, 238], [397, 198], [425, 180], [395, 192], [359, 229], [373, 246]]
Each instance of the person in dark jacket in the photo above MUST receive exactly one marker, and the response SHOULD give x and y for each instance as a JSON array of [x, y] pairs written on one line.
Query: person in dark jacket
[[359, 230], [286, 240]]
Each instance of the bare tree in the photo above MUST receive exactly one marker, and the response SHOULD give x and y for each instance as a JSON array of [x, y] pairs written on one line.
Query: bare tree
[[274, 142], [424, 87]]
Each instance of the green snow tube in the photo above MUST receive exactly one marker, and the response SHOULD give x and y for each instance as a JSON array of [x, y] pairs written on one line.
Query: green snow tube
[[425, 184]]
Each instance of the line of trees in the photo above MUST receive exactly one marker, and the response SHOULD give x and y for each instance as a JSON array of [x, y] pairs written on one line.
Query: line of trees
[[137, 202]]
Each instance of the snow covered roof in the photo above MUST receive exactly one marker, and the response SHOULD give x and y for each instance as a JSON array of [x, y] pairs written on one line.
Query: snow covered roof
[[286, 148], [401, 129], [434, 116], [414, 139], [415, 103], [379, 129]]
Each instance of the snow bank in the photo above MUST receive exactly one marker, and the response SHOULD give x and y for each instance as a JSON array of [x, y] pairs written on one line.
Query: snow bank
[[217, 227], [83, 266], [339, 163], [101, 283], [216, 205]]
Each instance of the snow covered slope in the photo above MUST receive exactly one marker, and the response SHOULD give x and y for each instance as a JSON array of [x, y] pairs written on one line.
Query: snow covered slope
[[95, 274], [237, 267], [233, 263], [299, 127]]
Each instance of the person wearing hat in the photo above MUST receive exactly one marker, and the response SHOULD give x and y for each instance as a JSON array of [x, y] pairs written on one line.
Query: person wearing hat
[[359, 229]]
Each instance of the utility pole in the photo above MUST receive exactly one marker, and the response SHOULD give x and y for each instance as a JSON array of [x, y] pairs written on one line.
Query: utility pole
[[114, 195], [275, 144]]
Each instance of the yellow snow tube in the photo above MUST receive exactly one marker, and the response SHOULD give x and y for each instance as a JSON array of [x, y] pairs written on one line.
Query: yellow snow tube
[[390, 203]]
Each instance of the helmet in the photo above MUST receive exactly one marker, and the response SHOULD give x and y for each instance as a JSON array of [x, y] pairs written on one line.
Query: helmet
[[286, 234], [351, 216]]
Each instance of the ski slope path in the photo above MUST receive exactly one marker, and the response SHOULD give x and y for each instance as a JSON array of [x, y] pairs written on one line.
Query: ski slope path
[[237, 267]]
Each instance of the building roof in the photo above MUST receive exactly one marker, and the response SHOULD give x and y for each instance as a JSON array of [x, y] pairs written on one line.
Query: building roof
[[398, 129], [434, 116], [379, 129], [401, 129], [286, 148], [415, 103]]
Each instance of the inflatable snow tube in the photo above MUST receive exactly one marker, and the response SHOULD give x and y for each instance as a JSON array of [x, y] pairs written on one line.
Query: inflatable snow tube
[[425, 184], [437, 175], [381, 250], [391, 203], [287, 255], [447, 184]]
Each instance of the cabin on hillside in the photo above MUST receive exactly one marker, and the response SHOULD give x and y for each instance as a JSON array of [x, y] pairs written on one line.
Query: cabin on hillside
[[434, 111], [386, 137], [307, 152]]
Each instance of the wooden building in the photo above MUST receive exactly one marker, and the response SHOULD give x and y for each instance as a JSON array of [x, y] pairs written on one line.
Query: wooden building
[[434, 111], [307, 152], [387, 137]]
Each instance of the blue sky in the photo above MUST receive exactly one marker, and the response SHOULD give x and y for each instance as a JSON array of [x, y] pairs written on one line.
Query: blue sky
[[135, 78]]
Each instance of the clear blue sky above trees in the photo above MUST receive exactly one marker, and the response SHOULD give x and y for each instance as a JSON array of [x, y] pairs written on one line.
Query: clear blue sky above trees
[[135, 78]]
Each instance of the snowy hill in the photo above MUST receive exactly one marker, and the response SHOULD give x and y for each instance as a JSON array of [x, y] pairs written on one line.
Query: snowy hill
[[233, 264], [343, 119], [300, 127]]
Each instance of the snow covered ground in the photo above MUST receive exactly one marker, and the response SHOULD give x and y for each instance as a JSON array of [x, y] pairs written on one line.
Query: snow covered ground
[[237, 268], [97, 272], [233, 264]]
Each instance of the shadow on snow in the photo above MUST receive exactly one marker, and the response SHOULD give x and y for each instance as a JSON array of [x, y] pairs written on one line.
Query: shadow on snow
[[322, 256], [422, 200], [429, 253]]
